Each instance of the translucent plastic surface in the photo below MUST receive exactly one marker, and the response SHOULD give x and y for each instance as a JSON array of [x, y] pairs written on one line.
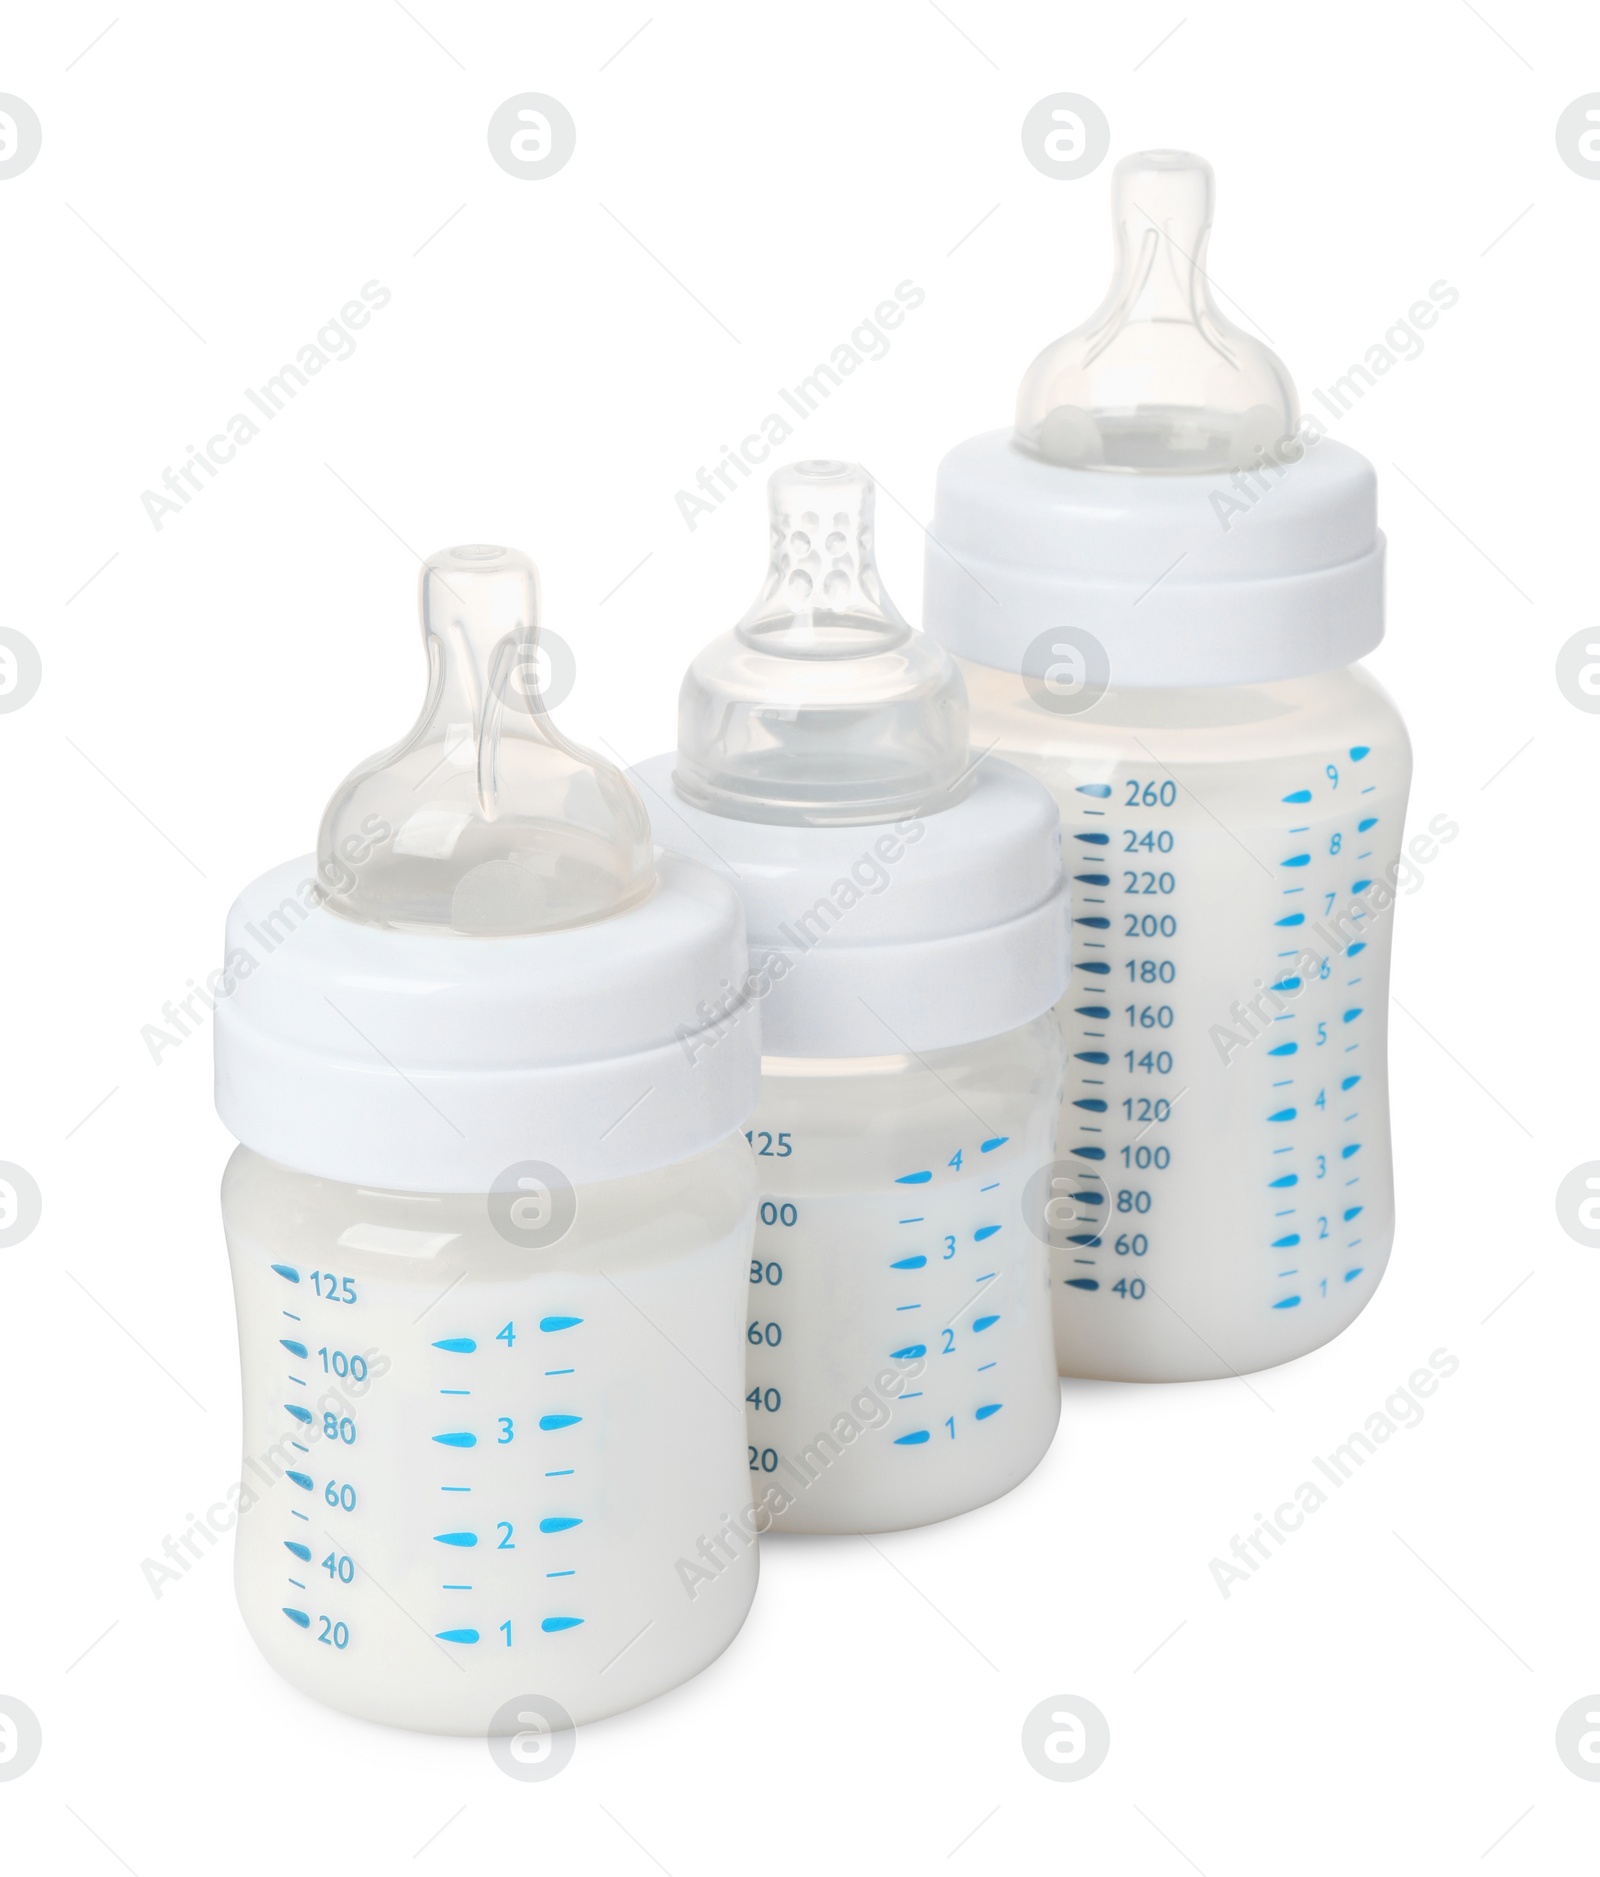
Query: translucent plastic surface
[[822, 706], [1157, 381], [485, 820], [1226, 1196], [900, 1366], [473, 1470]]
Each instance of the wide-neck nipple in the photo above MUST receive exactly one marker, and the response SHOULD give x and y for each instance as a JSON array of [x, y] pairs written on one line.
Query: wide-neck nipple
[[822, 706], [485, 820], [1157, 381]]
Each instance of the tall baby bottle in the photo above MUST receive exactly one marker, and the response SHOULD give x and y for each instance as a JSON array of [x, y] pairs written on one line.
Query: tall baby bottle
[[489, 1223], [1157, 586], [907, 914]]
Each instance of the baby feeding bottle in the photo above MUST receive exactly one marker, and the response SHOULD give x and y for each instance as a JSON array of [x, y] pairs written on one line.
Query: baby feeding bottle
[[908, 922], [489, 1219], [1157, 586]]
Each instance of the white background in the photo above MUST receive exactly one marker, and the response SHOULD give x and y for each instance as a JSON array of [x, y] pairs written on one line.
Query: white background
[[557, 361]]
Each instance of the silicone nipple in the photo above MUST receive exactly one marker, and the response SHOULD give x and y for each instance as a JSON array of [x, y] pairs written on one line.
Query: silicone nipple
[[822, 706], [1157, 381], [485, 820]]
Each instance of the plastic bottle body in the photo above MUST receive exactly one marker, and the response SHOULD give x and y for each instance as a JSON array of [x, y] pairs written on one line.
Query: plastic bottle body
[[900, 1366], [1224, 1147], [473, 1469]]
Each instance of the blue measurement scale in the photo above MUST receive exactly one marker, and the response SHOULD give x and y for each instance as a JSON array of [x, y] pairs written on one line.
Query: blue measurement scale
[[474, 1489], [1187, 1069], [892, 1331]]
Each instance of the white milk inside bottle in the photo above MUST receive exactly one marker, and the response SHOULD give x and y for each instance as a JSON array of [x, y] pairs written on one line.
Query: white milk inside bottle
[[907, 915], [1157, 586], [489, 1225]]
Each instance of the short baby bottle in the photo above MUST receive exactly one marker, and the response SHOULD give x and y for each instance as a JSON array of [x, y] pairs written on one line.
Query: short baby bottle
[[489, 1220], [1157, 586], [908, 937]]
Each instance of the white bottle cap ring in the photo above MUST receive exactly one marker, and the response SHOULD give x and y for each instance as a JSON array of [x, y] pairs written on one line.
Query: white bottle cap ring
[[423, 1062], [1235, 577], [929, 932]]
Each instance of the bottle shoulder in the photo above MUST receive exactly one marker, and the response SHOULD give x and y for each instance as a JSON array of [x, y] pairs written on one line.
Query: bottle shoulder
[[1020, 1060], [713, 1187], [1224, 724]]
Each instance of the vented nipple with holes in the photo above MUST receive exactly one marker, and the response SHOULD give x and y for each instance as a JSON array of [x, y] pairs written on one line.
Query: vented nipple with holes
[[1157, 381], [485, 820], [822, 706]]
